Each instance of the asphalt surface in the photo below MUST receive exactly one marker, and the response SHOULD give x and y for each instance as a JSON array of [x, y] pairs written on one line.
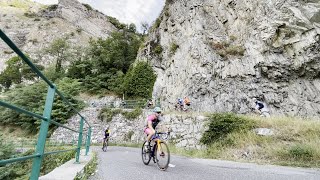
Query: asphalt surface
[[122, 163]]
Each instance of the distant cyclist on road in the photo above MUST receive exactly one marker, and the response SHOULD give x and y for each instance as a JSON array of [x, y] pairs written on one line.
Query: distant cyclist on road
[[152, 122], [106, 134]]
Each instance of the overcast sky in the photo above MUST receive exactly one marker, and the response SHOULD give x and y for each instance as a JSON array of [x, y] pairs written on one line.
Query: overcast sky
[[126, 11]]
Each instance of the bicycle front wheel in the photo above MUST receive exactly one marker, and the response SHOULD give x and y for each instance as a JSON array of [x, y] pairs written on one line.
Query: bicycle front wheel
[[162, 156], [146, 157]]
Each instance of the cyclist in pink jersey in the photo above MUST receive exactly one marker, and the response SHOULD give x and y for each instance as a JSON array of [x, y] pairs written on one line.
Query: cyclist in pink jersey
[[153, 121]]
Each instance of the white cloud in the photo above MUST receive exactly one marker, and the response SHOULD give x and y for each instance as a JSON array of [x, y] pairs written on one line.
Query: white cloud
[[126, 11]]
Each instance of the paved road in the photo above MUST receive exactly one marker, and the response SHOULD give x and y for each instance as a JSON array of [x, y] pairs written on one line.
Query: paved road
[[121, 163]]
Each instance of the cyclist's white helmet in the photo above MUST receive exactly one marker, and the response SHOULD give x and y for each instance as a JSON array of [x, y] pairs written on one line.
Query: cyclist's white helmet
[[157, 109]]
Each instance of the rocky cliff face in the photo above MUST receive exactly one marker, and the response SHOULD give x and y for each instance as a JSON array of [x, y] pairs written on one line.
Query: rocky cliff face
[[223, 53], [33, 27]]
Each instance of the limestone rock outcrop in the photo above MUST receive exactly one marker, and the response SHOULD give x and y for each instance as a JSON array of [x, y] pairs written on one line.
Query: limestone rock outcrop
[[223, 53]]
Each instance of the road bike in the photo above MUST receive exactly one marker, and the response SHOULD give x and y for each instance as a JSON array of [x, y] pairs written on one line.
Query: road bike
[[158, 150], [105, 144]]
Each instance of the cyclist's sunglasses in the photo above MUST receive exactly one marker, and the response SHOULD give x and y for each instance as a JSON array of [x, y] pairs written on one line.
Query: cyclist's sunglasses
[[158, 112]]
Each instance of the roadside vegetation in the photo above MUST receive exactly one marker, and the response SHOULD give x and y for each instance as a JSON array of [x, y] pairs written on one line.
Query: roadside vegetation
[[89, 169], [106, 114], [231, 137], [22, 170]]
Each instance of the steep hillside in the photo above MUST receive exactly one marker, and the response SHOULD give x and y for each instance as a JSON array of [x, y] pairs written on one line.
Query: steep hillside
[[33, 26], [223, 53]]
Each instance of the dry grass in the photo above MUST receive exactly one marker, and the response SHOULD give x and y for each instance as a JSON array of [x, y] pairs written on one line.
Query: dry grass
[[295, 143]]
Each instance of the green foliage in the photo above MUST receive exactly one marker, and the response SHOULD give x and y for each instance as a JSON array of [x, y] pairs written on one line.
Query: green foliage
[[88, 7], [79, 30], [225, 48], [89, 169], [139, 81], [50, 162], [80, 69], [22, 4], [59, 49], [158, 49], [110, 59], [116, 22], [173, 48], [52, 75], [16, 71], [32, 98], [157, 23], [166, 12], [30, 14], [223, 124], [106, 114], [132, 28], [52, 7], [6, 150], [133, 114], [22, 170], [298, 152], [117, 52], [128, 136]]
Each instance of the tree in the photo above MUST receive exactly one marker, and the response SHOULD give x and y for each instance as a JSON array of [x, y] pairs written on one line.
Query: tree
[[144, 27], [33, 97], [139, 81], [16, 71], [132, 28], [79, 69], [59, 48]]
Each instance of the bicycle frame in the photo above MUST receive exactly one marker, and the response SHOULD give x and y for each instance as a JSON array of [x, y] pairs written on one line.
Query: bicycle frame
[[158, 139]]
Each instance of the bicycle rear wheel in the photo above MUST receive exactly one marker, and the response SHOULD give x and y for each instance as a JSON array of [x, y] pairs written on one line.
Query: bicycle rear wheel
[[162, 154], [145, 153], [105, 145]]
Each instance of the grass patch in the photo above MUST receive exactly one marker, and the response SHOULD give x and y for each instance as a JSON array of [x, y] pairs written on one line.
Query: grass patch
[[134, 145], [225, 48], [223, 124], [294, 143], [89, 169], [173, 48], [21, 4], [158, 49]]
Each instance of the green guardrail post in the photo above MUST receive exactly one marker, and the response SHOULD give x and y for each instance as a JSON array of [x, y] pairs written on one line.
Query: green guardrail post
[[88, 141], [79, 140], [36, 165]]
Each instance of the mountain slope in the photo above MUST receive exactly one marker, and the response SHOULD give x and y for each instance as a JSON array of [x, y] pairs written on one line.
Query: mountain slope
[[33, 27]]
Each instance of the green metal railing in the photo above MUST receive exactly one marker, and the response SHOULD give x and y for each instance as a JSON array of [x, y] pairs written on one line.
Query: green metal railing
[[45, 119]]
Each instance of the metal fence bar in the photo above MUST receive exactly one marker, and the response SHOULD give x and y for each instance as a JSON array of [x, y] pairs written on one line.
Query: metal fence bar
[[22, 110], [36, 165], [7, 161], [61, 125], [55, 152], [79, 140]]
